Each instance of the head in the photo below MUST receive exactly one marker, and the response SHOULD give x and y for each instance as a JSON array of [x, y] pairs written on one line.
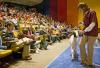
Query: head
[[83, 6], [0, 24], [9, 26]]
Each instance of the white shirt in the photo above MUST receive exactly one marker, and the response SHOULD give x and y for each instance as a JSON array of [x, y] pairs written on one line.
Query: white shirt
[[90, 27]]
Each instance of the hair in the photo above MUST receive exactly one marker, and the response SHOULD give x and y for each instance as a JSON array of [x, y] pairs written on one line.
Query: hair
[[82, 4], [9, 23]]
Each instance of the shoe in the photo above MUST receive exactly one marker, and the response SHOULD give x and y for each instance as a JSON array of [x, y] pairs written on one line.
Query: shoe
[[88, 65], [6, 64], [32, 51], [74, 56], [91, 66], [41, 48], [46, 48], [82, 63], [27, 58], [73, 59]]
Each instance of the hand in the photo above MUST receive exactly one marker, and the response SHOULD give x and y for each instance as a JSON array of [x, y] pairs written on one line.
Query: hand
[[81, 32]]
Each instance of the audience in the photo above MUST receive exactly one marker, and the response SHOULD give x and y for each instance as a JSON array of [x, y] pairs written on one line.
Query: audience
[[33, 29]]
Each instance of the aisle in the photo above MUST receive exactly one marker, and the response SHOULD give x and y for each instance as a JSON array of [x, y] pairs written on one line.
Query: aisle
[[44, 57], [64, 60]]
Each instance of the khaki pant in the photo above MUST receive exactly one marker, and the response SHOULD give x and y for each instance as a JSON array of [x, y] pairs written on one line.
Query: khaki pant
[[25, 52], [87, 57]]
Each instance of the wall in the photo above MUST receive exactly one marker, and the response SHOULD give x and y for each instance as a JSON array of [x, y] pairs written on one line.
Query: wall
[[66, 11], [53, 9], [62, 10], [72, 12], [43, 7]]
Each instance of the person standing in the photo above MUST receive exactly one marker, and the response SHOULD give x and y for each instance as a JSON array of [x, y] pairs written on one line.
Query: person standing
[[89, 34]]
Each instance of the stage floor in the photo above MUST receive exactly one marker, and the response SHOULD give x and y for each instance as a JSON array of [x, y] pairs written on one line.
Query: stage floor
[[64, 60]]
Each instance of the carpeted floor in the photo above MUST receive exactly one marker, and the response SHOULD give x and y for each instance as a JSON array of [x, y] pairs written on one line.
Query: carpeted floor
[[43, 57], [64, 60]]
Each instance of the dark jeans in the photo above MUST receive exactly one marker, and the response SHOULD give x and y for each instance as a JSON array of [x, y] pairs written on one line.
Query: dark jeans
[[44, 44], [55, 38], [33, 46], [3, 47]]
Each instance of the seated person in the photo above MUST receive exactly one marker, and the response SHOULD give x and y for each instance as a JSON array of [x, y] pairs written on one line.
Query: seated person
[[44, 42], [55, 35], [26, 41], [64, 33], [1, 46], [28, 33], [48, 31], [1, 25], [58, 34], [8, 35], [1, 28]]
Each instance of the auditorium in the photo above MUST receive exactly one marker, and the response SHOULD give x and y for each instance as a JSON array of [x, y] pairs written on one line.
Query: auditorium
[[49, 34]]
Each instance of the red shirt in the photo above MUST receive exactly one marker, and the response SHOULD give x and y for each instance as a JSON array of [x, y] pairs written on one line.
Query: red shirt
[[89, 17]]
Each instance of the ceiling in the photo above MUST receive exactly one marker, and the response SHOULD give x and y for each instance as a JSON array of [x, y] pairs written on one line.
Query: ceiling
[[24, 2]]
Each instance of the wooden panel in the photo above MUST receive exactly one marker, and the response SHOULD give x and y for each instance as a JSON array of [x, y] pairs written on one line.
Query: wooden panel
[[53, 9], [62, 10], [72, 12]]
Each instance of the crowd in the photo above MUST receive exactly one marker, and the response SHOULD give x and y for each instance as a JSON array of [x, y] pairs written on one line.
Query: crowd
[[26, 30], [29, 29]]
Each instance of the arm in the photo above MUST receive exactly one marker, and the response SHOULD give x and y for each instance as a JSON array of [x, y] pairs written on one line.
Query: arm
[[93, 22], [90, 27]]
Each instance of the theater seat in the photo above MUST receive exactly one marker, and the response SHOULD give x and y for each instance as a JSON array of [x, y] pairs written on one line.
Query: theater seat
[[4, 53], [16, 49]]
